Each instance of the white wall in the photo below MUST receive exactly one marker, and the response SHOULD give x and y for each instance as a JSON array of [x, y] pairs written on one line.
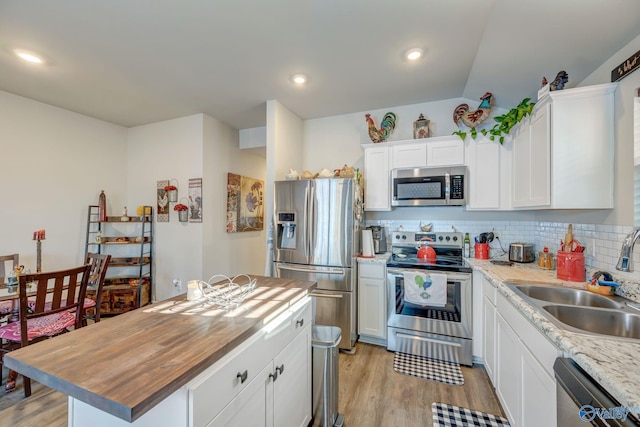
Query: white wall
[[53, 164], [227, 253], [284, 151], [162, 151]]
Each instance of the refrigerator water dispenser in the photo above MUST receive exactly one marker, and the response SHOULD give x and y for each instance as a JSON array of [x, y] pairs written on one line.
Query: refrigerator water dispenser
[[286, 230]]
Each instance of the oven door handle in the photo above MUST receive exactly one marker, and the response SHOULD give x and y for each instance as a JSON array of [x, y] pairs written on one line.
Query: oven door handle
[[310, 270]]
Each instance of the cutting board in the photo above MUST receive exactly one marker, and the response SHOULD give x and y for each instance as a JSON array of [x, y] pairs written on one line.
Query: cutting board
[[525, 275]]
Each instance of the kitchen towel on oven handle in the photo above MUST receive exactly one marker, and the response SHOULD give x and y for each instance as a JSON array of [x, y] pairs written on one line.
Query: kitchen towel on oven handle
[[425, 289]]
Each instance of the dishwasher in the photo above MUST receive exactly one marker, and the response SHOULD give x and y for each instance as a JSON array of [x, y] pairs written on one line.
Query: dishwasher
[[581, 401]]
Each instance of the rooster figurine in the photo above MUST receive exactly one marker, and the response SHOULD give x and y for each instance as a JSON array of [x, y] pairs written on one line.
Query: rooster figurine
[[387, 125], [473, 118]]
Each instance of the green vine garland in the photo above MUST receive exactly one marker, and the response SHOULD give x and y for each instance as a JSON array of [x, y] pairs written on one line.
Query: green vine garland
[[504, 123]]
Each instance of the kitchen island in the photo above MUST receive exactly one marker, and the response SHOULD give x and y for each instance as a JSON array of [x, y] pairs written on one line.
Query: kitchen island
[[179, 362]]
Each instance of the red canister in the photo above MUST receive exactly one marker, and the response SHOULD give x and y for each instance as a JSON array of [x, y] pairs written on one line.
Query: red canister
[[481, 250], [570, 266]]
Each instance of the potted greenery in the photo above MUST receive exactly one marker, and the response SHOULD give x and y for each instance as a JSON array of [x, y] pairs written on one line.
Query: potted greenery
[[505, 122]]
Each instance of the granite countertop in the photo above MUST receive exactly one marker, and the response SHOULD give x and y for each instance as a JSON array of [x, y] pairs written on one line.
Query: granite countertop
[[613, 363], [127, 364]]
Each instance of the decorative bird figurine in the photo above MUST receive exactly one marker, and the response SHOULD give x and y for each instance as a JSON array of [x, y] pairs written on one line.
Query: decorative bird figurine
[[473, 118], [561, 79], [387, 125]]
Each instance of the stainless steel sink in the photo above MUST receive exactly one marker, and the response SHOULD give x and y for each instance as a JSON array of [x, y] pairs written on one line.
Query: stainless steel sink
[[567, 296], [579, 311], [606, 322]]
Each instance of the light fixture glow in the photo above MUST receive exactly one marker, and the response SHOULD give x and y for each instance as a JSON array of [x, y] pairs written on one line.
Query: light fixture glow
[[28, 56], [299, 79], [414, 54]]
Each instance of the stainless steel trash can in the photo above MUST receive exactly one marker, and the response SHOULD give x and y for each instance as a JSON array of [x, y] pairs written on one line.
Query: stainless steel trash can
[[324, 341]]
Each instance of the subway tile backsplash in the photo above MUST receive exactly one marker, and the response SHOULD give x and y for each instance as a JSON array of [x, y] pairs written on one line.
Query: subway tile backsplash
[[602, 242]]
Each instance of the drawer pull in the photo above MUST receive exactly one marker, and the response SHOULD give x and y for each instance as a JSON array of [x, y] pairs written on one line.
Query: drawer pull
[[274, 375], [243, 376], [300, 322], [280, 369]]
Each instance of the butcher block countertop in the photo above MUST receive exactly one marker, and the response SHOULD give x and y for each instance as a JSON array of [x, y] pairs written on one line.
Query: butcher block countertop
[[127, 364]]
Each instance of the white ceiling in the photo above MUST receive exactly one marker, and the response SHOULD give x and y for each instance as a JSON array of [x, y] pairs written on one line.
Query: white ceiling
[[133, 62]]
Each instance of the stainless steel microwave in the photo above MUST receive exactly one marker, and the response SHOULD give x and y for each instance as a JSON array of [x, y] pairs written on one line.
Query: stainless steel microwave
[[428, 186]]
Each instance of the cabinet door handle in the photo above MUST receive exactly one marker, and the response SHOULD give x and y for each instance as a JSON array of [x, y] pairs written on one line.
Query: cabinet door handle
[[243, 376], [274, 375], [300, 322], [280, 369]]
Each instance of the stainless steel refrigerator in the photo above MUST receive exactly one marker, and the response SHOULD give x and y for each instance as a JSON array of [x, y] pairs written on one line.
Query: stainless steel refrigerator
[[316, 238]]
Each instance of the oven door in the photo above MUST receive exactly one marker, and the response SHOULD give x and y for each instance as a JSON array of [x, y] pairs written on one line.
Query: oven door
[[453, 319]]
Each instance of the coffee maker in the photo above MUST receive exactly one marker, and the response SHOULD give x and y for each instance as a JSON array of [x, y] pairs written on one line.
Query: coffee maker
[[379, 238]]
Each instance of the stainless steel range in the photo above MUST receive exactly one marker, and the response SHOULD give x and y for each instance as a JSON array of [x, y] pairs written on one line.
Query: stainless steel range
[[441, 329]]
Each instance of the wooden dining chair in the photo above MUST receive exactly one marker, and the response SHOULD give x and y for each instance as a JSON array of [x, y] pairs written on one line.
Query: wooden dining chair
[[99, 264], [10, 261], [56, 304]]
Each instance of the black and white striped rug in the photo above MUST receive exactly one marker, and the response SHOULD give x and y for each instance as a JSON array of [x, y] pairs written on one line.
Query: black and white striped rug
[[454, 416], [428, 369]]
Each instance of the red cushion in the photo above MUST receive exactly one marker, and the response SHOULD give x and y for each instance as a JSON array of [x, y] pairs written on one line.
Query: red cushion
[[42, 326], [6, 307], [88, 302]]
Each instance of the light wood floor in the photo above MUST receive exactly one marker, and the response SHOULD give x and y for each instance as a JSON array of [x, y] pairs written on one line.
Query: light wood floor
[[373, 394]]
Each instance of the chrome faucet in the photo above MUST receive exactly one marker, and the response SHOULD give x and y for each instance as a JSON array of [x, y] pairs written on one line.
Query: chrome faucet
[[625, 260]]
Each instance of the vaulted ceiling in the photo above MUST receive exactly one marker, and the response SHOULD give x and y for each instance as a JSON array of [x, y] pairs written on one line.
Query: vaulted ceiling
[[143, 61]]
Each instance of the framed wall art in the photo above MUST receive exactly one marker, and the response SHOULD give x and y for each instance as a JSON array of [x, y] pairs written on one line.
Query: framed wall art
[[245, 204], [195, 200], [163, 201]]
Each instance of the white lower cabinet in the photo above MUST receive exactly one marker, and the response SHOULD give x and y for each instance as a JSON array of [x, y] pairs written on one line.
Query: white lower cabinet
[[278, 395], [372, 302], [524, 379], [291, 389], [489, 329]]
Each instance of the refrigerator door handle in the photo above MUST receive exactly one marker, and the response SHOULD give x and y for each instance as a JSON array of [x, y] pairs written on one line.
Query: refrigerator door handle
[[311, 205], [319, 295], [305, 233], [310, 270]]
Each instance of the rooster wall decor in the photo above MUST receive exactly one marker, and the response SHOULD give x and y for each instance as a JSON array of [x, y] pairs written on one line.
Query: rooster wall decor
[[387, 125], [473, 118]]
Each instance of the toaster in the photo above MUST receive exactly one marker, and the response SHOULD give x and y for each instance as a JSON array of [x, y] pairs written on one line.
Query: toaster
[[521, 252]]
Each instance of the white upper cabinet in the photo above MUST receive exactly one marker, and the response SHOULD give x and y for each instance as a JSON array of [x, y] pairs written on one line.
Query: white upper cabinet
[[412, 155], [377, 177], [563, 154], [440, 151], [489, 165], [445, 151]]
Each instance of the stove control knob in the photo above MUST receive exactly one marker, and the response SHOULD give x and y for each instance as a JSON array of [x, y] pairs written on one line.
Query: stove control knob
[[440, 238], [448, 238], [397, 237], [404, 237], [455, 238]]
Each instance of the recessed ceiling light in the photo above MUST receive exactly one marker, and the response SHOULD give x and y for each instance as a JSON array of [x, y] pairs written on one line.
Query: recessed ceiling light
[[299, 79], [28, 56], [414, 54]]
